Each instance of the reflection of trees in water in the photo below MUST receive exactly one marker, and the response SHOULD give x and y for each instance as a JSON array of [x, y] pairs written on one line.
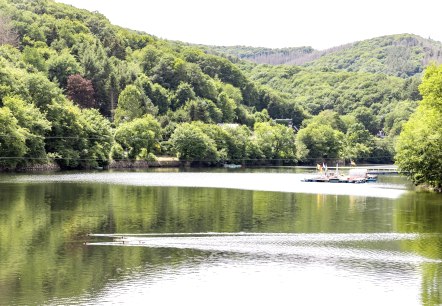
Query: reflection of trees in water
[[43, 226], [431, 284], [422, 213]]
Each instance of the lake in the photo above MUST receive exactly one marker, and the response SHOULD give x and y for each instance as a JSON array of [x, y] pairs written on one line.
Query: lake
[[216, 237]]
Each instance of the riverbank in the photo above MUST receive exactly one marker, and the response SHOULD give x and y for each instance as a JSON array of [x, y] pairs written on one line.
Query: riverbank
[[162, 161], [36, 168]]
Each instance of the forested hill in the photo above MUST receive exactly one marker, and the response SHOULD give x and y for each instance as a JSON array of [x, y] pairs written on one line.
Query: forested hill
[[293, 56], [79, 91], [401, 55]]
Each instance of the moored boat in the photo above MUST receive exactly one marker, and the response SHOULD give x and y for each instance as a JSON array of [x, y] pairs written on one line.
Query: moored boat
[[232, 166], [356, 176]]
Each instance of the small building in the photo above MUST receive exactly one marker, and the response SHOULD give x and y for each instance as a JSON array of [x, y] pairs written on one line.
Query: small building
[[286, 122]]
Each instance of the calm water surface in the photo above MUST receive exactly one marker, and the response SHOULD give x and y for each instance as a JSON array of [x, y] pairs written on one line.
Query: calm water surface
[[216, 237]]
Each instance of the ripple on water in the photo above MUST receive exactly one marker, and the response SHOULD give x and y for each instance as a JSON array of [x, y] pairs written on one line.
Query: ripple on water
[[370, 247], [267, 268]]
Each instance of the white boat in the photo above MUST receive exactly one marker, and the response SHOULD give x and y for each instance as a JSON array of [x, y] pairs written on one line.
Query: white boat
[[232, 166]]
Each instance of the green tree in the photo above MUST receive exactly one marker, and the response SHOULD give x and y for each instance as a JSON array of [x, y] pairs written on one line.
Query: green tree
[[203, 110], [149, 57], [358, 144], [131, 104], [34, 57], [327, 117], [67, 138], [183, 93], [191, 144], [61, 66], [276, 141], [34, 125], [419, 147], [12, 140], [140, 137], [366, 116], [41, 91], [239, 145], [318, 141], [160, 98], [245, 116], [397, 116], [98, 132], [227, 107]]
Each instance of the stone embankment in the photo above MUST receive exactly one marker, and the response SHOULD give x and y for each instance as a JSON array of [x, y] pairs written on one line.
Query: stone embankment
[[165, 162], [39, 168]]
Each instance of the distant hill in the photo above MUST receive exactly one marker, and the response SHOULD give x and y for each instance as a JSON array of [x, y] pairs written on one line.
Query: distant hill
[[267, 55], [401, 55]]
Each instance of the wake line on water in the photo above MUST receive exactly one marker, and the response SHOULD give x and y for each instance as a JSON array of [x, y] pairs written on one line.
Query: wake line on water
[[322, 246], [298, 237]]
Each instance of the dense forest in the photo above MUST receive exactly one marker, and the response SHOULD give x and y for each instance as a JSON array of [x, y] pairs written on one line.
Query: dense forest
[[81, 92], [401, 55], [293, 56]]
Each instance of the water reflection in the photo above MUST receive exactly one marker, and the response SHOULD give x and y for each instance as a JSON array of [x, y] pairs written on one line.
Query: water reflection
[[278, 182], [43, 258]]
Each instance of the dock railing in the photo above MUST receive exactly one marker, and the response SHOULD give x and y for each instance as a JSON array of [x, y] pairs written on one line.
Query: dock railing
[[382, 170]]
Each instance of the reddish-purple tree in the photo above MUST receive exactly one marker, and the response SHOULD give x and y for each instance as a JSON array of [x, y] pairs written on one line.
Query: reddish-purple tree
[[81, 91]]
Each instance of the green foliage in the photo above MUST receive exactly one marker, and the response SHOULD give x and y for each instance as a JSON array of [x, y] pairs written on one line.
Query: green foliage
[[159, 96], [354, 91], [79, 138], [34, 125], [41, 91], [265, 55], [275, 141], [191, 144], [66, 138], [227, 107], [419, 147], [400, 114], [340, 91], [209, 143], [12, 140], [398, 55], [183, 93], [61, 66], [365, 116], [131, 104], [358, 144], [318, 141], [203, 110], [98, 133], [34, 57], [327, 117], [240, 144], [138, 138]]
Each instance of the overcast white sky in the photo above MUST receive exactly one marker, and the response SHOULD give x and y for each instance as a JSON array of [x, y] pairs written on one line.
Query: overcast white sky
[[272, 23]]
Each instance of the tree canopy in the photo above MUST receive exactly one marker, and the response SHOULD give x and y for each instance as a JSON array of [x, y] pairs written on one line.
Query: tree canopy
[[419, 148], [79, 91]]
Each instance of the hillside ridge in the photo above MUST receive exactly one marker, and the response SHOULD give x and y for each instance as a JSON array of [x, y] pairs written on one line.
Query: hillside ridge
[[401, 55]]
